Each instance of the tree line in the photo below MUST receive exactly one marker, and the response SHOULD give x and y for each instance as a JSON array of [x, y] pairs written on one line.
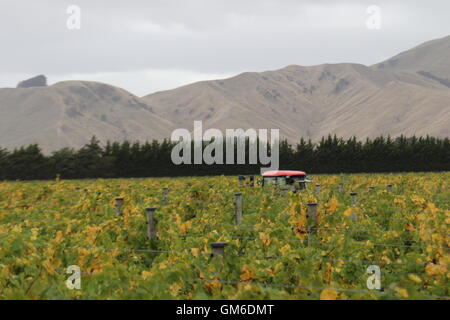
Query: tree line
[[153, 159]]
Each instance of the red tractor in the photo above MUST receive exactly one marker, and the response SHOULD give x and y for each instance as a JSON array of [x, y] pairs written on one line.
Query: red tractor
[[296, 180]]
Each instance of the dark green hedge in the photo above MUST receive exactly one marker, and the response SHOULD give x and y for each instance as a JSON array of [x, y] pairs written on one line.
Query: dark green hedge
[[153, 159]]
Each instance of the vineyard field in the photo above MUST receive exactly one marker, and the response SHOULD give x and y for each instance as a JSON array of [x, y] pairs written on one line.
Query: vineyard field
[[277, 251]]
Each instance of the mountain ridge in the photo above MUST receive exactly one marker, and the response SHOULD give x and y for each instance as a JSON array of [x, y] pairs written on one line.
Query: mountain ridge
[[309, 99], [406, 94]]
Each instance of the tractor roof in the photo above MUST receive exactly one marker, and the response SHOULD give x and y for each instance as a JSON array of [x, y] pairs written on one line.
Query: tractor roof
[[280, 173]]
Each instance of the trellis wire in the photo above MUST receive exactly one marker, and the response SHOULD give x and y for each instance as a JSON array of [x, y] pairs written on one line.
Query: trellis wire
[[224, 226], [374, 244], [362, 261]]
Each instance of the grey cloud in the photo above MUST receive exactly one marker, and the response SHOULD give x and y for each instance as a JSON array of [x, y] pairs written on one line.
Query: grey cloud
[[208, 36]]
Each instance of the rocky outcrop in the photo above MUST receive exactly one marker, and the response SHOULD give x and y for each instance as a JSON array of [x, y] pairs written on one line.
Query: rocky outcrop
[[39, 81]]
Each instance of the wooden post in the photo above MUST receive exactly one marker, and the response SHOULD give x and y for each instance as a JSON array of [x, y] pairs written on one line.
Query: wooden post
[[353, 194], [151, 222], [341, 188], [165, 195], [238, 208], [311, 216], [218, 248], [118, 206], [317, 189], [389, 188]]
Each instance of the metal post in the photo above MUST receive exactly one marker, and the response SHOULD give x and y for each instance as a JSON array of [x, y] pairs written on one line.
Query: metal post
[[118, 206], [238, 208], [285, 192], [151, 222], [218, 248], [389, 188], [341, 188]]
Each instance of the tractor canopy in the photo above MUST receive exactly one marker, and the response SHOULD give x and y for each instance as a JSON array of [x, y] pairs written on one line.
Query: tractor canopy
[[297, 180]]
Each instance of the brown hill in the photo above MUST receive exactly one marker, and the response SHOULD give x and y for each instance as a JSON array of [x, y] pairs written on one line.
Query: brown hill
[[342, 99], [68, 114], [431, 60], [407, 94]]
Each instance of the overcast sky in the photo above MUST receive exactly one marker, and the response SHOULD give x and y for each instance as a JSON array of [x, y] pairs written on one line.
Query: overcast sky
[[150, 45]]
